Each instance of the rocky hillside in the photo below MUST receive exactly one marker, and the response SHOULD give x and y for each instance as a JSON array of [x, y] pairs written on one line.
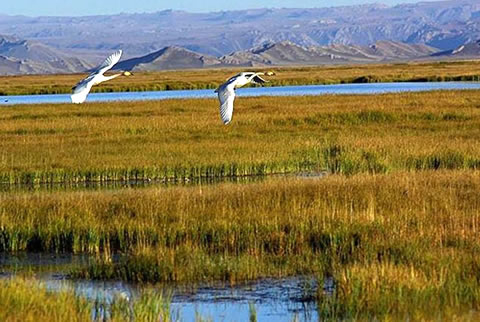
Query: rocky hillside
[[277, 54], [170, 58], [469, 50], [31, 57], [288, 53]]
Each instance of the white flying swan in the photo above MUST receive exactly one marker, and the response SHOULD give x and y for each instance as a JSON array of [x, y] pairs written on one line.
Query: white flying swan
[[81, 90], [226, 91]]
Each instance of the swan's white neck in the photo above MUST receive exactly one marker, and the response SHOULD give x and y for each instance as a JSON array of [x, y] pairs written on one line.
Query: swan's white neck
[[107, 78]]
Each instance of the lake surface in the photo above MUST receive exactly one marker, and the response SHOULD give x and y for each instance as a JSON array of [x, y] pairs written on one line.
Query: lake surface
[[310, 90]]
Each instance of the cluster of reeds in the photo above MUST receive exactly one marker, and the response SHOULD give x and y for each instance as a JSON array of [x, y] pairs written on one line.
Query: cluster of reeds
[[24, 300], [211, 78]]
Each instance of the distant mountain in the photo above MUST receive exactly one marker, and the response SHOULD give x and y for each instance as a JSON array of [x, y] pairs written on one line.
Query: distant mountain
[[469, 50], [27, 57], [31, 57], [169, 58], [282, 53], [11, 66], [395, 50], [23, 57], [441, 24], [288, 53], [277, 54]]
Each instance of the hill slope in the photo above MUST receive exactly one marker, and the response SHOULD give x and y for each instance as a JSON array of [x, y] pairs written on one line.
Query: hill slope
[[169, 58], [32, 57], [288, 53], [468, 50]]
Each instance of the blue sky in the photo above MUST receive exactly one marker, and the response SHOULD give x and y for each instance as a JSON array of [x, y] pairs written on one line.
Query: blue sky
[[91, 7]]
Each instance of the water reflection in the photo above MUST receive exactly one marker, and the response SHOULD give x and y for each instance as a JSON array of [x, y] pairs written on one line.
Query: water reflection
[[139, 184], [133, 184]]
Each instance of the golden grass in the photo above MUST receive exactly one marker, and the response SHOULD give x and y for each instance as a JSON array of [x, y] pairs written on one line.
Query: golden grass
[[185, 138], [280, 217], [24, 300], [395, 244], [211, 78]]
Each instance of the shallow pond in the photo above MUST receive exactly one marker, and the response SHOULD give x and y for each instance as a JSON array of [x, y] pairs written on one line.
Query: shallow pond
[[311, 90], [286, 299]]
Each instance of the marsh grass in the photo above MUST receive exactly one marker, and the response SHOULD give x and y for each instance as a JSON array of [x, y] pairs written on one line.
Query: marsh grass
[[212, 78], [395, 243], [25, 300], [391, 291], [30, 300], [184, 139]]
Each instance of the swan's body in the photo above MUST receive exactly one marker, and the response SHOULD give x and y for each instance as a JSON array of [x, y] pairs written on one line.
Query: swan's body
[[81, 90], [226, 91]]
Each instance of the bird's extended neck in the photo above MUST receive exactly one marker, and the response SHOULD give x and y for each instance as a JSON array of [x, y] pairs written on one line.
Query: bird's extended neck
[[106, 78], [102, 78]]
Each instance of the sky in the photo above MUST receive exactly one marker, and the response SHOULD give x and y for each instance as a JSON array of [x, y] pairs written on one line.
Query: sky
[[94, 7]]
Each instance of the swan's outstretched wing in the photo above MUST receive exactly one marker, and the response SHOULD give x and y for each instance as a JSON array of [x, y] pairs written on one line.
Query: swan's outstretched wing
[[226, 96], [81, 90], [109, 62]]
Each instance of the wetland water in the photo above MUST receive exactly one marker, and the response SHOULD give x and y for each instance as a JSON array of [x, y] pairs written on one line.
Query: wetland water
[[286, 299], [310, 90]]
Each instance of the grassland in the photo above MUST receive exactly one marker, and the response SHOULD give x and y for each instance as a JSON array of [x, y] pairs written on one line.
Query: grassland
[[395, 222], [185, 138], [211, 78]]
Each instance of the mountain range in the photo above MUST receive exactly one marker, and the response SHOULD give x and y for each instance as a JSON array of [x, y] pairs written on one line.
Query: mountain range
[[277, 54], [178, 39], [30, 57]]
